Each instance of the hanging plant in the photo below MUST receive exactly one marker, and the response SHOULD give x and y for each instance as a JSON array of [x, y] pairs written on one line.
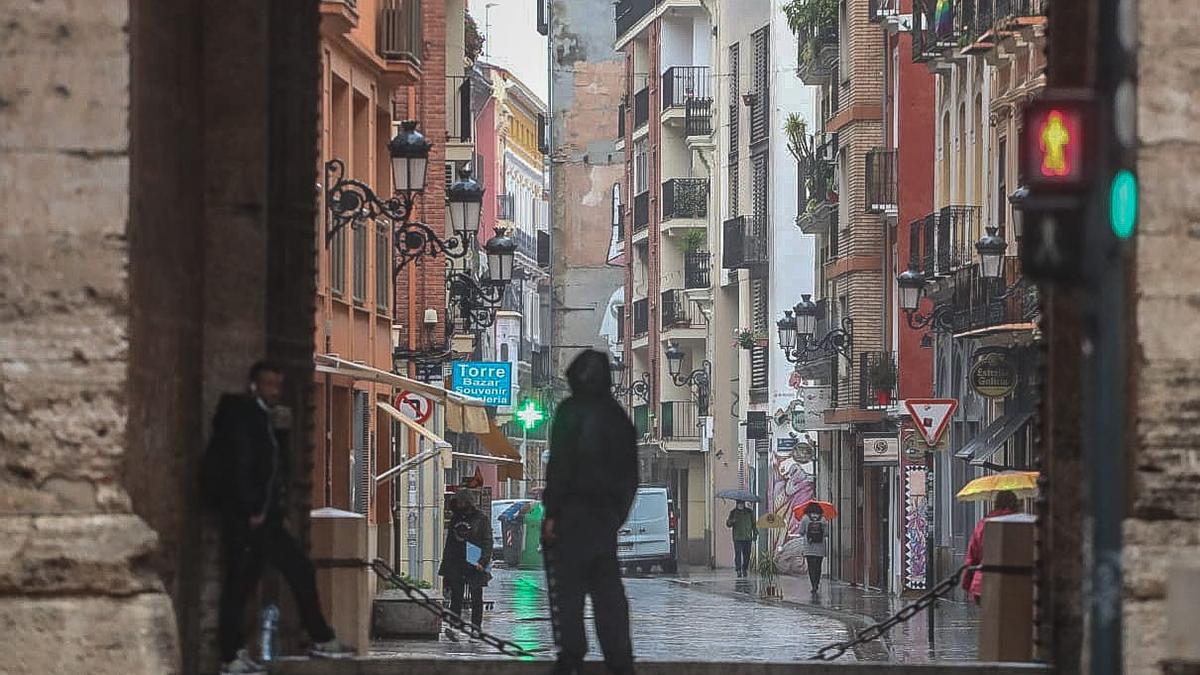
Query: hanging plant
[[883, 373]]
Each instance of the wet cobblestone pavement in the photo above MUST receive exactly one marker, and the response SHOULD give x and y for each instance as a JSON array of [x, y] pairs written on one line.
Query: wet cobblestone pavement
[[670, 620]]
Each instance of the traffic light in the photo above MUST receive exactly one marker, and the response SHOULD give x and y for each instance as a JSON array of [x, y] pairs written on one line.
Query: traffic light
[[1123, 203], [1058, 137], [530, 414]]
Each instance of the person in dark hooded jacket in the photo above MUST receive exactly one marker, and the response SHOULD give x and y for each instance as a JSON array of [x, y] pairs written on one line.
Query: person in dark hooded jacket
[[591, 482]]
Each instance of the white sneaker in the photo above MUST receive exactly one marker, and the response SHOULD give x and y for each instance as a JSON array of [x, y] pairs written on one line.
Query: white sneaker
[[242, 665], [331, 649]]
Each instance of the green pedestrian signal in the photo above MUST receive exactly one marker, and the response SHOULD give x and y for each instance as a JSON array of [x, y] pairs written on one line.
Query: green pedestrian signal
[[530, 414], [1123, 204]]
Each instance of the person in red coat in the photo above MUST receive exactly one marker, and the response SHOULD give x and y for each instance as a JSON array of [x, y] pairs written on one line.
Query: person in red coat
[[972, 583]]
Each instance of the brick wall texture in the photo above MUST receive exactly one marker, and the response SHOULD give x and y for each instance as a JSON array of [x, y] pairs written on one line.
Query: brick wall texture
[[1163, 524]]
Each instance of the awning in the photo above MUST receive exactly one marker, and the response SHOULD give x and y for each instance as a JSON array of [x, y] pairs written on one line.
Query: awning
[[498, 446], [464, 414], [439, 444], [484, 459], [993, 438]]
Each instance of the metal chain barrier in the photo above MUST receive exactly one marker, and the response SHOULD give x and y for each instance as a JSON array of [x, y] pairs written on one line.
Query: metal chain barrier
[[836, 650], [423, 600]]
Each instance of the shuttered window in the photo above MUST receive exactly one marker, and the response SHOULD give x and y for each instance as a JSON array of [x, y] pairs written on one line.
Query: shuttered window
[[360, 476], [734, 127], [383, 266], [759, 117]]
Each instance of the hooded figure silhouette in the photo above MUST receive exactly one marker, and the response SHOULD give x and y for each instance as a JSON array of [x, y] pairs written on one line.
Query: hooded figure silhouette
[[591, 482]]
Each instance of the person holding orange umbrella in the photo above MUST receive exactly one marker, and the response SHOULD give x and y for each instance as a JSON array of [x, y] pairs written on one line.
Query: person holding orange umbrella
[[814, 532]]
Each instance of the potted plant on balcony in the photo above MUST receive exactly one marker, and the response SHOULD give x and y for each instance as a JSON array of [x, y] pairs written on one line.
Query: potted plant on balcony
[[883, 379], [694, 241], [743, 338]]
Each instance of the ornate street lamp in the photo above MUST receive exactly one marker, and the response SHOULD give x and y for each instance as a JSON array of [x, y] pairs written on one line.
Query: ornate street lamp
[[349, 200], [797, 329], [477, 299], [639, 388], [501, 250], [991, 248], [700, 379], [465, 201], [911, 285]]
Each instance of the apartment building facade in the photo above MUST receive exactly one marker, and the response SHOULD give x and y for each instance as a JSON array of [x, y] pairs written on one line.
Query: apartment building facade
[[664, 202]]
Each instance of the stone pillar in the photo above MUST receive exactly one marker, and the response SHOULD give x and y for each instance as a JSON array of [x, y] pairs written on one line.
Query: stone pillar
[[339, 538], [1006, 633]]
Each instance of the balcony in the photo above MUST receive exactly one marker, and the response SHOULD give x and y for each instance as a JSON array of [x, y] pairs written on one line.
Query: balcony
[[924, 41], [459, 147], [684, 198], [879, 10], [818, 192], [876, 380], [641, 318], [678, 312], [984, 305], [698, 114], [681, 84], [526, 242], [958, 227], [641, 211], [506, 207], [745, 239], [629, 12], [697, 269], [621, 110], [641, 420], [881, 181], [641, 108], [339, 16], [679, 420], [399, 31], [929, 248], [817, 54], [979, 24]]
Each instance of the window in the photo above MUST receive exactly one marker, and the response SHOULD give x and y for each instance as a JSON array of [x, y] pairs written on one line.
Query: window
[[383, 265], [337, 263], [1002, 186], [360, 475], [641, 168], [759, 175], [359, 230]]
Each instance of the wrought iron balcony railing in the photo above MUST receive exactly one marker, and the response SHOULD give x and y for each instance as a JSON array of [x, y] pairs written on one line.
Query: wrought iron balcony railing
[[641, 107], [960, 226], [678, 312], [641, 211], [629, 12], [881, 181], [641, 317], [745, 239], [876, 380], [621, 110], [679, 420], [697, 269], [681, 84], [978, 303], [506, 206], [685, 198], [698, 115]]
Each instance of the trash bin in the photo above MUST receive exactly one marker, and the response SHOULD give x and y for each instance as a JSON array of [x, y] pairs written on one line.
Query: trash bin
[[512, 533], [531, 549]]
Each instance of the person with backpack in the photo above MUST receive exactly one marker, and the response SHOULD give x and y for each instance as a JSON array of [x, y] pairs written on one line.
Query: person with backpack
[[242, 482], [814, 530], [591, 483]]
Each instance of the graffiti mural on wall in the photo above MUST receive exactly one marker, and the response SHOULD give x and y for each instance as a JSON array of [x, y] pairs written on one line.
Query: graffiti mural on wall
[[791, 485], [916, 526]]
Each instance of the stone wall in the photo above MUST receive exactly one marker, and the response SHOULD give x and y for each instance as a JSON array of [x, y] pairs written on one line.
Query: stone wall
[[158, 238], [1163, 523]]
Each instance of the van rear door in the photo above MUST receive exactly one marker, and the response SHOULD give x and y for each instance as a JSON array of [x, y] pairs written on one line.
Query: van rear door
[[646, 534]]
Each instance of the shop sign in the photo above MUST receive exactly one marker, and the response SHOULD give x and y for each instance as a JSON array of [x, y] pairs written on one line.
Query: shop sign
[[993, 375], [490, 382], [881, 449]]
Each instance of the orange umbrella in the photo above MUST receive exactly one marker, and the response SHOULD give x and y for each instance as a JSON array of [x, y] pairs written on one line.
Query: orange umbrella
[[828, 510]]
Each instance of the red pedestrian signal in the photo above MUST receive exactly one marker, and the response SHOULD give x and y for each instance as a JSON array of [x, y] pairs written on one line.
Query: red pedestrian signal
[[1055, 143]]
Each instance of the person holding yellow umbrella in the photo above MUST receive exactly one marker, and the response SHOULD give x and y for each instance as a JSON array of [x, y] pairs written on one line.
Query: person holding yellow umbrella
[[1006, 504]]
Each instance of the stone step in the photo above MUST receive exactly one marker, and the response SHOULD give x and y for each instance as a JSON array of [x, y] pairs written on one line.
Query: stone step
[[405, 666]]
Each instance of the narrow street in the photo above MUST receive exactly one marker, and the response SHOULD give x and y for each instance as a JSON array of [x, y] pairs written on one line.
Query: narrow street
[[670, 620]]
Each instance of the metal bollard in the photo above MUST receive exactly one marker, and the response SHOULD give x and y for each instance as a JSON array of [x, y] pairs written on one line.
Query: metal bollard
[[1006, 631]]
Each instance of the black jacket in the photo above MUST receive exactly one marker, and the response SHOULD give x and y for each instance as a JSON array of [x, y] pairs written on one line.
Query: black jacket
[[474, 527], [245, 452], [593, 446]]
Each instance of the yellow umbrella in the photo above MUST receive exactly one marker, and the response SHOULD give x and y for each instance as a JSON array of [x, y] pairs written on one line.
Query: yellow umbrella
[[1023, 483]]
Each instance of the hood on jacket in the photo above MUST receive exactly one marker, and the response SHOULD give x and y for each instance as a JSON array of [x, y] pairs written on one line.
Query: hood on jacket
[[590, 375]]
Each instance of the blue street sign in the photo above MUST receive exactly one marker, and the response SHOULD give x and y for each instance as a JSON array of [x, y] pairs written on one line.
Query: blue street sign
[[489, 381]]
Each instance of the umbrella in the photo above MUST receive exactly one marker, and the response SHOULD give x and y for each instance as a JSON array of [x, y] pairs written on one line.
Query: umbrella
[[738, 495], [1023, 483], [828, 510], [770, 521]]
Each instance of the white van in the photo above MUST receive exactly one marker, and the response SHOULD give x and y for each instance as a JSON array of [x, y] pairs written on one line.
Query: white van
[[499, 506], [647, 538]]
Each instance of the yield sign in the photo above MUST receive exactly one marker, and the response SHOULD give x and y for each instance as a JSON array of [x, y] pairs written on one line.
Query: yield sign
[[931, 416], [414, 406]]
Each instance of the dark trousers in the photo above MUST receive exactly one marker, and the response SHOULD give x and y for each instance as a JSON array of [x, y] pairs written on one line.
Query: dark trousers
[[458, 587], [814, 569], [583, 561], [246, 552], [741, 556]]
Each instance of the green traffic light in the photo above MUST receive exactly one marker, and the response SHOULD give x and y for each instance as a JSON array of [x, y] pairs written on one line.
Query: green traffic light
[[530, 414], [1123, 204]]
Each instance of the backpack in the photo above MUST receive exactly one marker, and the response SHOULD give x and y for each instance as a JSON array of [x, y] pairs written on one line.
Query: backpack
[[815, 532]]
